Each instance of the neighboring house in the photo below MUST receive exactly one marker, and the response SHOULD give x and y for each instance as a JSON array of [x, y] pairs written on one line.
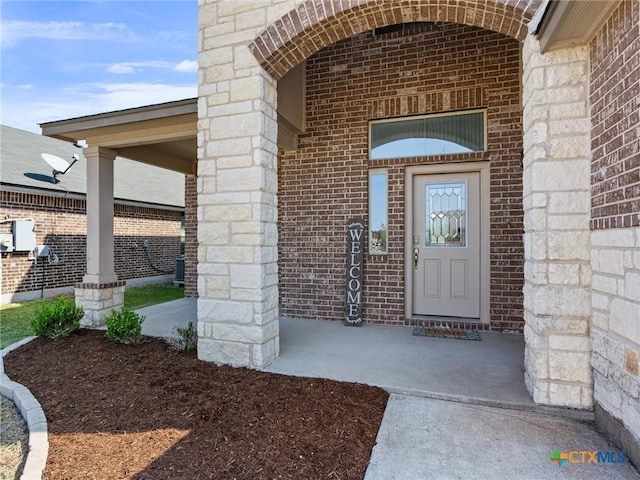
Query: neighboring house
[[522, 215], [149, 206]]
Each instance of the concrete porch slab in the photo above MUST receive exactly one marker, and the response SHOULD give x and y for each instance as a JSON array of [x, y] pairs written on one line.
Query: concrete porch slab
[[487, 372]]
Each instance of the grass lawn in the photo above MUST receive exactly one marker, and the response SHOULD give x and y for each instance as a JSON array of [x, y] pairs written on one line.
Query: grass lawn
[[15, 440], [15, 319], [150, 295]]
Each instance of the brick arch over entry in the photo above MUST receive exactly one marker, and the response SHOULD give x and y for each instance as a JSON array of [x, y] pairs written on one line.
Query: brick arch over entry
[[315, 24]]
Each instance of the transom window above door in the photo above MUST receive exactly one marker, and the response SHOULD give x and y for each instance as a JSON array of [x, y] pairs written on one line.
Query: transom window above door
[[437, 134]]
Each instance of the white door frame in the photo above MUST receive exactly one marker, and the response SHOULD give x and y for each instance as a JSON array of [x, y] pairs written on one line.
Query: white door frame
[[483, 169]]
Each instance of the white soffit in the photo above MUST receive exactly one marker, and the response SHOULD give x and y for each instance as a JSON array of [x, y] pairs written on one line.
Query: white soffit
[[568, 23]]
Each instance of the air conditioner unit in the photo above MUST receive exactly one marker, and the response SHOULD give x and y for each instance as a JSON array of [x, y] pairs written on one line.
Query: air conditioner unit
[[179, 270]]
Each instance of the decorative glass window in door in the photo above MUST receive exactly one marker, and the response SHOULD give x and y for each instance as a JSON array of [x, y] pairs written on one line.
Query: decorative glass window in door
[[446, 211], [423, 135]]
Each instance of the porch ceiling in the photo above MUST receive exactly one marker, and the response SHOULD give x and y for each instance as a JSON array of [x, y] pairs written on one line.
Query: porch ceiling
[[568, 24], [164, 134]]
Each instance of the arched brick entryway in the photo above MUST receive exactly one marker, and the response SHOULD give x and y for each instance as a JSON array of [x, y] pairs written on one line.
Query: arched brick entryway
[[313, 25], [240, 63]]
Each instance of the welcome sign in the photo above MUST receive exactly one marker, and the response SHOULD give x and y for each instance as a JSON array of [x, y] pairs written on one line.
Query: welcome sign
[[355, 248]]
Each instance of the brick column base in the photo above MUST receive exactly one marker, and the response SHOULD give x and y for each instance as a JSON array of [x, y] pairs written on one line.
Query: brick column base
[[98, 300]]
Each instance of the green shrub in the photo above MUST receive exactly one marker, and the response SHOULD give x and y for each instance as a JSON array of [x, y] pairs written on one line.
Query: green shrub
[[188, 338], [58, 319], [124, 326]]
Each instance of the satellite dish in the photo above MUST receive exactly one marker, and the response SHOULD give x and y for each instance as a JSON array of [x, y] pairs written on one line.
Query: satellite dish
[[55, 162], [60, 165]]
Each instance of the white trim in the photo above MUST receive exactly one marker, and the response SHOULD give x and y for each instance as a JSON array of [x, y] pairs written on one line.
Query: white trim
[[483, 169]]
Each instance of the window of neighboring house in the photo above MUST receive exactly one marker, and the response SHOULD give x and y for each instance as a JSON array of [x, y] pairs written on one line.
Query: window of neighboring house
[[437, 134], [378, 207]]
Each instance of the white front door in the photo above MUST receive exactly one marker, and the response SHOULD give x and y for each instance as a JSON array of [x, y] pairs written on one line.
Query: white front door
[[446, 245]]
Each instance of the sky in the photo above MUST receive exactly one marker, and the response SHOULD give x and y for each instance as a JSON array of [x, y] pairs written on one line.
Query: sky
[[65, 59]]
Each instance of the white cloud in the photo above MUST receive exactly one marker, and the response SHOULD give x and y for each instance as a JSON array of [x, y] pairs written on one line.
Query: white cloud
[[120, 68], [81, 100], [116, 96], [186, 66], [25, 86], [14, 31], [131, 67]]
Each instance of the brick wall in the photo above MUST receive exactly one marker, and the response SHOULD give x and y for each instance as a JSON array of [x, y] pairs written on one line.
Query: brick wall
[[615, 113], [191, 237], [424, 69], [61, 224]]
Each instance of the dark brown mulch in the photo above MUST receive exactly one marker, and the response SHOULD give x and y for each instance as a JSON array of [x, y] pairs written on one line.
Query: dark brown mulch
[[149, 411]]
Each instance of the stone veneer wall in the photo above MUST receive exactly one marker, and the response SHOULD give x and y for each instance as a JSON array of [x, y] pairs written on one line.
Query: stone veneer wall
[[238, 318], [419, 70], [615, 239], [557, 308], [615, 329]]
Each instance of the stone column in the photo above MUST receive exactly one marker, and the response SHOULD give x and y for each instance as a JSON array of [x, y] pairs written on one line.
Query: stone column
[[100, 290], [236, 187], [556, 200]]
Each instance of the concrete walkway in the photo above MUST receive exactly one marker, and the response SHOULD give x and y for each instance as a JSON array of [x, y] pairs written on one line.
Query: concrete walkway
[[458, 409], [162, 319], [422, 438]]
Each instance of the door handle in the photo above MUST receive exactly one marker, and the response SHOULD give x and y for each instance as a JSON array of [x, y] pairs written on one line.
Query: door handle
[[416, 252]]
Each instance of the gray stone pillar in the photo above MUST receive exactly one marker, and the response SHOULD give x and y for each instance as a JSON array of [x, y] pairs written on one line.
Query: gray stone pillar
[[237, 186], [557, 152], [100, 290]]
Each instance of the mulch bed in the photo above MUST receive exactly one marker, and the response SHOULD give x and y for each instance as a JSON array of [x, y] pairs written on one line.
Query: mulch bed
[[148, 411]]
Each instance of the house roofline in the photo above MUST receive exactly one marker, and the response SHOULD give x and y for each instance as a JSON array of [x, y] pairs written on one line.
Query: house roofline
[[118, 117], [9, 187]]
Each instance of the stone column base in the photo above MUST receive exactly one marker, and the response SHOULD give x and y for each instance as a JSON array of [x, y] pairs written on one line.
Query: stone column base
[[252, 346], [98, 300], [620, 435]]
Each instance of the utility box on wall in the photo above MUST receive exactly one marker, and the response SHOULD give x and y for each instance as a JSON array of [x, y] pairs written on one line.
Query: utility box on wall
[[24, 235], [6, 242]]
